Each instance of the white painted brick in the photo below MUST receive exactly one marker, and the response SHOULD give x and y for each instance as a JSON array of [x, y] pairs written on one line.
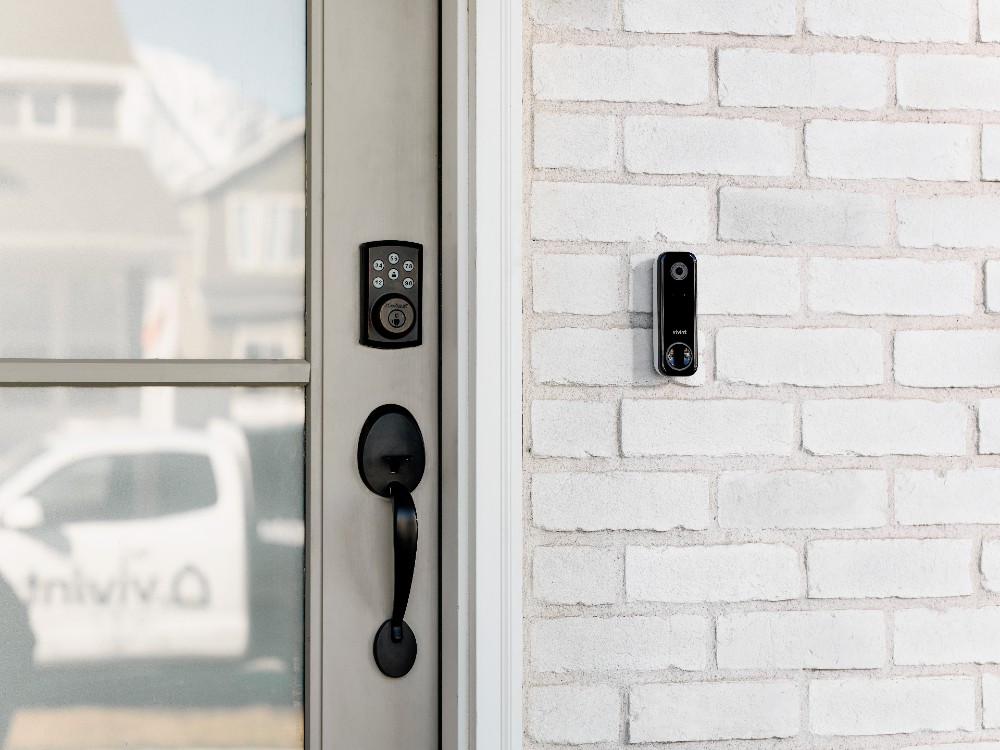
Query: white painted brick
[[991, 701], [865, 150], [989, 20], [713, 711], [951, 636], [891, 20], [575, 141], [896, 706], [749, 17], [843, 499], [896, 286], [782, 216], [799, 356], [725, 573], [989, 426], [573, 429], [589, 356], [991, 150], [574, 714], [801, 640], [990, 565], [618, 213], [885, 568], [917, 358], [574, 14], [993, 286], [570, 644], [730, 285], [706, 428], [677, 75], [959, 746], [657, 501], [949, 221], [708, 145], [924, 497], [578, 284], [577, 575], [948, 82], [873, 427], [765, 78]]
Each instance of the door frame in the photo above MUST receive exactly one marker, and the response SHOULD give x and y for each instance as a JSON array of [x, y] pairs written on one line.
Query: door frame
[[480, 385]]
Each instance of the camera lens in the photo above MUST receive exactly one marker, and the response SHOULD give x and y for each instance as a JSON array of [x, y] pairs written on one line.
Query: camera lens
[[679, 271], [679, 357]]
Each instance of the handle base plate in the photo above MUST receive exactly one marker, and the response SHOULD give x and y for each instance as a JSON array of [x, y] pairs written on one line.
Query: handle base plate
[[394, 659]]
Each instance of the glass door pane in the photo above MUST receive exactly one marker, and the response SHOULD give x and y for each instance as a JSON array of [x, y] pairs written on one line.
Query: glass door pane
[[151, 567], [152, 179]]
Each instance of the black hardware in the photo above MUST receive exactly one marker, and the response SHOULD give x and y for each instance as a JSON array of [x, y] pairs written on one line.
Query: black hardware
[[675, 314], [391, 461], [391, 289]]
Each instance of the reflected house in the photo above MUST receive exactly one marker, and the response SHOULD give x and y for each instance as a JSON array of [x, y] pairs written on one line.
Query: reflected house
[[86, 228], [247, 222]]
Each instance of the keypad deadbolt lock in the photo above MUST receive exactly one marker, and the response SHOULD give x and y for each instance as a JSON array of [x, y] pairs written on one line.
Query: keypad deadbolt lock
[[391, 287]]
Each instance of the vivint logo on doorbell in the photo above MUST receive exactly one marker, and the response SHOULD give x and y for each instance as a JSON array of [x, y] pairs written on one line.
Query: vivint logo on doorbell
[[675, 310]]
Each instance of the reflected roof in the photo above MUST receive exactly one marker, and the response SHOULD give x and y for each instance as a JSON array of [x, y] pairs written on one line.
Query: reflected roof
[[84, 30], [68, 188]]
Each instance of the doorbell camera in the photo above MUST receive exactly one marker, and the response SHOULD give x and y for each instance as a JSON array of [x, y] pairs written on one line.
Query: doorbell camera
[[675, 314]]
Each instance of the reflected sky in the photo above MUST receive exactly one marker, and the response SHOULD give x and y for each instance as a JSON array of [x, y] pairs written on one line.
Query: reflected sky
[[257, 44]]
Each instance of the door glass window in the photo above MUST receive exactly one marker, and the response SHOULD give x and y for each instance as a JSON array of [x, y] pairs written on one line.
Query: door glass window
[[156, 600], [152, 178]]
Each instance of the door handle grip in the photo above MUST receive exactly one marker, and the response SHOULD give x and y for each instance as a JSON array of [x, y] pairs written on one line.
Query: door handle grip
[[404, 551]]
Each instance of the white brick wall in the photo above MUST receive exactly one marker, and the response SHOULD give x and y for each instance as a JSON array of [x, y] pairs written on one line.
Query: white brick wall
[[708, 145], [713, 711], [771, 78], [777, 216], [847, 639], [951, 636], [678, 75], [867, 150], [894, 706], [875, 427], [927, 497], [891, 287], [618, 213], [842, 499], [705, 428], [711, 16], [798, 547], [949, 221], [594, 502], [799, 356], [989, 425], [575, 141], [880, 568], [569, 644], [574, 715], [980, 358], [891, 20], [948, 82], [729, 573]]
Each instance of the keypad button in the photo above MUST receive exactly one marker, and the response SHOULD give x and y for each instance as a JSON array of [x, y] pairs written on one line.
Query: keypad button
[[394, 258], [377, 282], [408, 265], [378, 265], [408, 283], [393, 274]]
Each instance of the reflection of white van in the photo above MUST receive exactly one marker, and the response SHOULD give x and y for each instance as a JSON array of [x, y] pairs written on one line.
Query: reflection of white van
[[132, 545]]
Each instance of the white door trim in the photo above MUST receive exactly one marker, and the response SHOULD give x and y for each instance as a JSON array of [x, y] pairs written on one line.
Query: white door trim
[[482, 202]]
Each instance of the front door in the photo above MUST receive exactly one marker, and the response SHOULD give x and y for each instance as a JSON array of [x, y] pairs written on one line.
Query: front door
[[219, 248]]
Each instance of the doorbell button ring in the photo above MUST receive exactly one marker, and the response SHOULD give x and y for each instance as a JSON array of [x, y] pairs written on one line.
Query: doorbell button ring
[[679, 356]]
